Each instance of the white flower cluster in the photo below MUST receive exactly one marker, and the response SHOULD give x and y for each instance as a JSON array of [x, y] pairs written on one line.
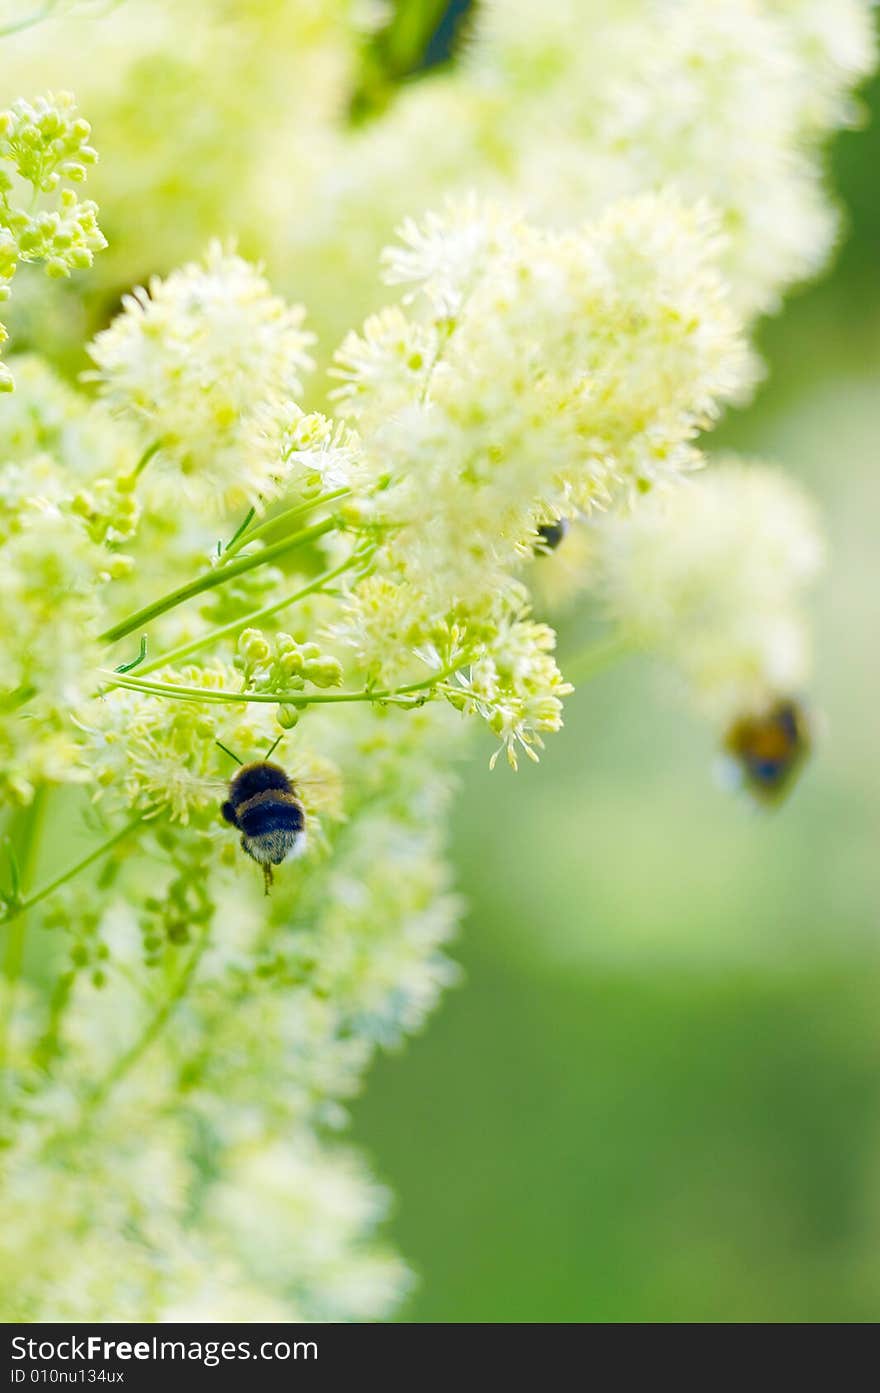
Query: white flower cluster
[[285, 1234], [727, 100], [183, 360], [539, 375], [65, 507], [565, 107]]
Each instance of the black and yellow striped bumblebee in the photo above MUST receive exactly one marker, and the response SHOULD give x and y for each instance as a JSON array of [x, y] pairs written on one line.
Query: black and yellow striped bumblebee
[[263, 805], [769, 749]]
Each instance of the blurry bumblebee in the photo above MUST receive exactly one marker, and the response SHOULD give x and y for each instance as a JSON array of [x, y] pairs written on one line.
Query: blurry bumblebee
[[262, 804], [551, 535], [769, 750]]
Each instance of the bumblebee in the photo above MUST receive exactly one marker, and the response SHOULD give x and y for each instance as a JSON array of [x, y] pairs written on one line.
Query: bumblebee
[[550, 535], [769, 750], [263, 806]]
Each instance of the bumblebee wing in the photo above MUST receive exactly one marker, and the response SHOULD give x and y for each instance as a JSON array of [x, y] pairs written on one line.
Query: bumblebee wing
[[218, 783]]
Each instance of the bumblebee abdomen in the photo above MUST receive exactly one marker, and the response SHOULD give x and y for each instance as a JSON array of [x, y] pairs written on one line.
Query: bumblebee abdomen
[[270, 811], [770, 748], [769, 773]]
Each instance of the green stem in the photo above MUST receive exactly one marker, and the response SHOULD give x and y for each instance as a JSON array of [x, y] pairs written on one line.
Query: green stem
[[219, 576], [13, 960], [10, 701], [448, 330], [23, 905], [135, 662], [244, 536], [25, 852], [151, 1031], [242, 527], [145, 458], [48, 1046], [594, 659], [18, 25], [98, 1095], [247, 620], [296, 698]]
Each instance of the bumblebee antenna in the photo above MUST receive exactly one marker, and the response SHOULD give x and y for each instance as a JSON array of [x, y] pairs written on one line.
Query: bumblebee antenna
[[228, 752], [273, 747]]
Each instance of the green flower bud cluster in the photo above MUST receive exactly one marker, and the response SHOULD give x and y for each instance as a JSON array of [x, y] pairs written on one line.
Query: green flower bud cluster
[[184, 909], [44, 145], [46, 141], [109, 509], [88, 951], [279, 663]]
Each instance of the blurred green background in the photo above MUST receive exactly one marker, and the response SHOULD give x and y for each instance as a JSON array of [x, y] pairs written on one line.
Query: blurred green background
[[657, 1096]]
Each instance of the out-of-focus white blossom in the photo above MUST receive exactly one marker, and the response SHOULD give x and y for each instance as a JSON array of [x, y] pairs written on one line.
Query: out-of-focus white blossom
[[727, 101], [713, 577], [562, 108], [298, 1216]]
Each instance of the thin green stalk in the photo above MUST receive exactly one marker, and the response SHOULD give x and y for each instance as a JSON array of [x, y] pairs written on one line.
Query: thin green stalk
[[242, 527], [151, 1031], [247, 620], [135, 662], [21, 906], [48, 1045], [11, 701], [13, 959], [219, 576], [594, 659], [98, 1095], [25, 854], [449, 330], [145, 458], [18, 25], [246, 534], [295, 698]]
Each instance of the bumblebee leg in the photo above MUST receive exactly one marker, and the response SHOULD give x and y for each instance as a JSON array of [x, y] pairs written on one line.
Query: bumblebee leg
[[267, 876]]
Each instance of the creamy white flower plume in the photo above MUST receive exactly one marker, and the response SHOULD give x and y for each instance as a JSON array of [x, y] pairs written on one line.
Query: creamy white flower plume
[[713, 577], [189, 360]]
